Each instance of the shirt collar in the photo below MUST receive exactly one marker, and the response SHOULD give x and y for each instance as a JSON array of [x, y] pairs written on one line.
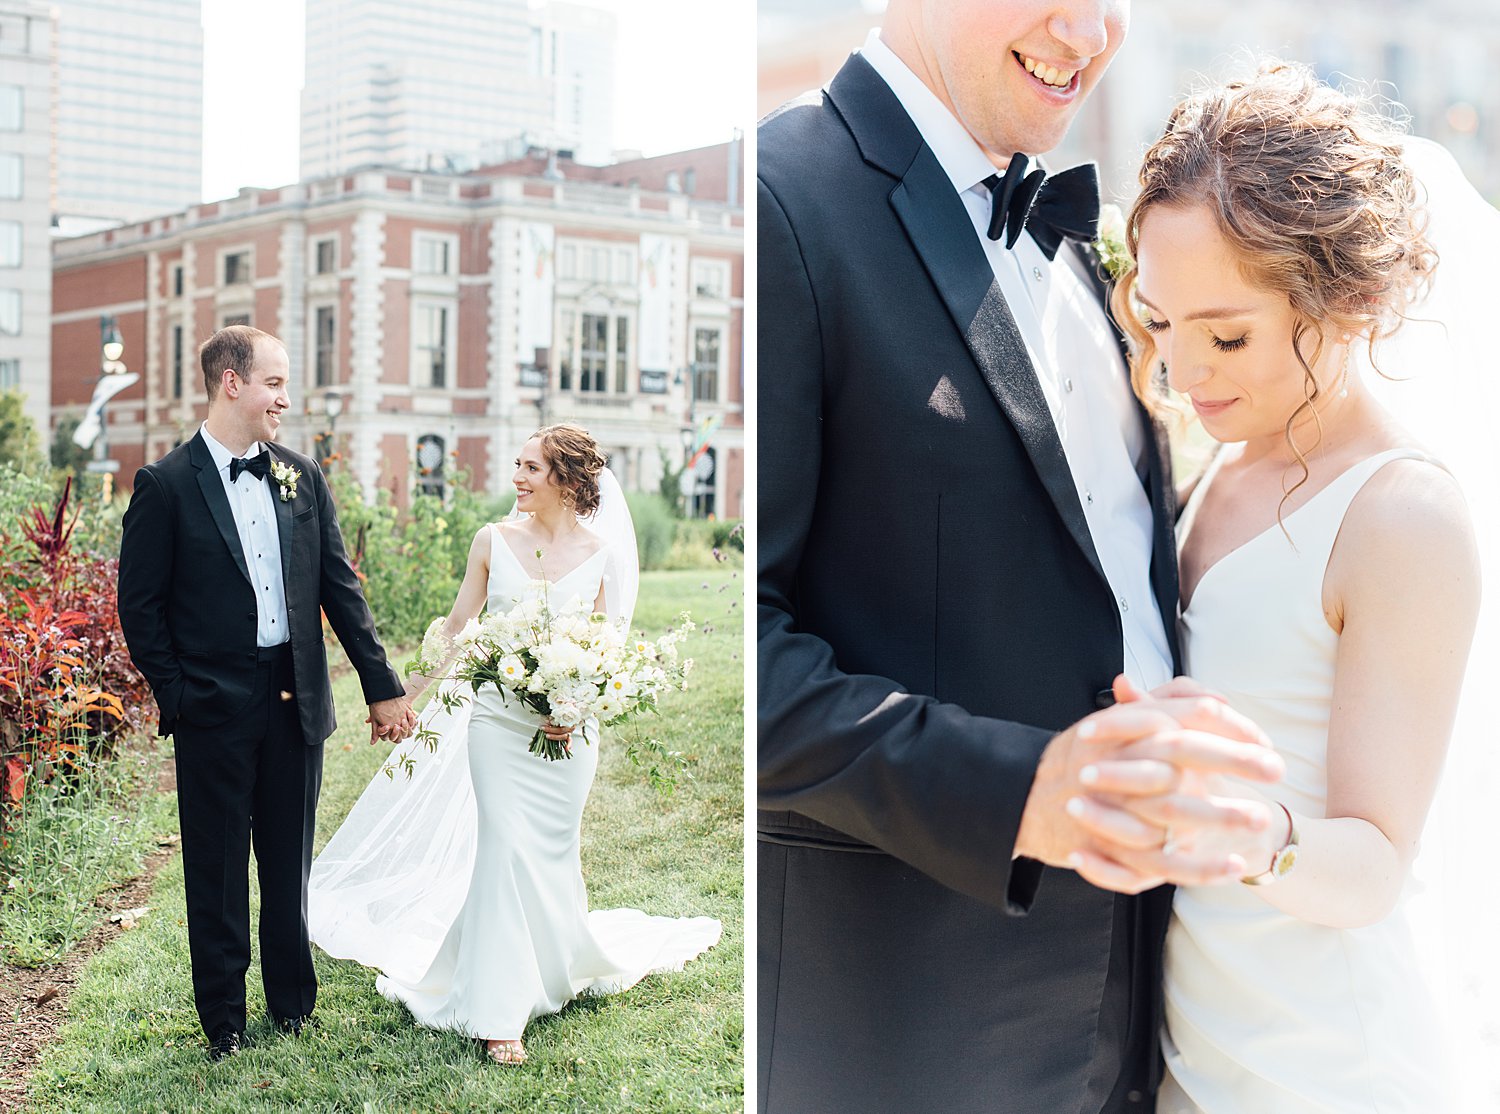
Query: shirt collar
[[221, 455], [963, 160]]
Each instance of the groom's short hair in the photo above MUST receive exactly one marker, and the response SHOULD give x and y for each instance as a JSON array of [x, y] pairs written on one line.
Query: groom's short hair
[[231, 347]]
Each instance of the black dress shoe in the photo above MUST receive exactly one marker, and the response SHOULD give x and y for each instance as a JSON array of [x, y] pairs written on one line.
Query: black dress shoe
[[295, 1025], [226, 1044]]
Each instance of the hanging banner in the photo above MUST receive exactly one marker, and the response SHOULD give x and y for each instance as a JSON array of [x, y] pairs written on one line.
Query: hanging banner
[[538, 275], [662, 260]]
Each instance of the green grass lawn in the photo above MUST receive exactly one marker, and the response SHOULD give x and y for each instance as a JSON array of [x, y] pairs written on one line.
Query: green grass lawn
[[673, 1042]]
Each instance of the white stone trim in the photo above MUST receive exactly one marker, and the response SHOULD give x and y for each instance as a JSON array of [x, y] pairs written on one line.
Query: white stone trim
[[367, 338]]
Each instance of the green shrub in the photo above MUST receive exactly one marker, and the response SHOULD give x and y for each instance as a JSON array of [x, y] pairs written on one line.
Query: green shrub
[[703, 544], [411, 565], [654, 529]]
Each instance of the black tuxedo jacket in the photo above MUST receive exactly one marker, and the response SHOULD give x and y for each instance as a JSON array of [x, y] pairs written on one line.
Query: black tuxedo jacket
[[931, 611], [187, 605]]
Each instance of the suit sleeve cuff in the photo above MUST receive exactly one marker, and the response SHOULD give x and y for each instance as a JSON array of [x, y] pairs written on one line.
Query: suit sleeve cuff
[[1025, 880]]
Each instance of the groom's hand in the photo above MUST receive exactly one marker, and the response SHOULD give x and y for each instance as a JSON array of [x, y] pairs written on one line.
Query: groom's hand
[[1146, 747], [391, 719]]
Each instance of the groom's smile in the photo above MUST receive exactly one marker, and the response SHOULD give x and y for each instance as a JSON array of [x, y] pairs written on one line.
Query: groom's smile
[[1013, 74], [1056, 78]]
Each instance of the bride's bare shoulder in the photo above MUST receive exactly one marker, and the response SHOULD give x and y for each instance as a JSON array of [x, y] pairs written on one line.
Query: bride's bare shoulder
[[590, 541], [1409, 525]]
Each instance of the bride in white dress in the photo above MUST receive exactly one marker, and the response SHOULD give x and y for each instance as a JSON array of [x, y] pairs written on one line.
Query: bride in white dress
[[463, 885], [1329, 585]]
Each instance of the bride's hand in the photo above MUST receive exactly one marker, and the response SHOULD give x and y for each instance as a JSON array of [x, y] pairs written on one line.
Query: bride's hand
[[556, 732]]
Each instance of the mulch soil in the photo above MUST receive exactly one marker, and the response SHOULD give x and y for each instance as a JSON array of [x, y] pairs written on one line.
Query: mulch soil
[[33, 1001]]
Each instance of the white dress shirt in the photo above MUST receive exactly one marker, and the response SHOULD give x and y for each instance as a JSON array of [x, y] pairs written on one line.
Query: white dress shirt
[[1077, 359], [254, 507]]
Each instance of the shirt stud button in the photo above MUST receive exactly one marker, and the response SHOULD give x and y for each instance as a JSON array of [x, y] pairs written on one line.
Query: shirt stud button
[[1124, 605], [1036, 273], [1068, 385]]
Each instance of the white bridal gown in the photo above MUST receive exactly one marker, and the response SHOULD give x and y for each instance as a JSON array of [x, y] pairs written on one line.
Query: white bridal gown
[[484, 948], [1266, 1013]]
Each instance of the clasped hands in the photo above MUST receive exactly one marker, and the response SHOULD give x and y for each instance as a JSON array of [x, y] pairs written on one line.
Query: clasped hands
[[1130, 797], [391, 720]]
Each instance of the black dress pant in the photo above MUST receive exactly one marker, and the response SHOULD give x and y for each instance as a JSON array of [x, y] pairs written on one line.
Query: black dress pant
[[252, 779]]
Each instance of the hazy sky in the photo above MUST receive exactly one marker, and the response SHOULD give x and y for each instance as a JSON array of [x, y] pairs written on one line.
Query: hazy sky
[[685, 72]]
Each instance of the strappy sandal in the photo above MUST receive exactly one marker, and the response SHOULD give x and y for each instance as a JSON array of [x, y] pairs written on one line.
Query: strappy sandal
[[505, 1052]]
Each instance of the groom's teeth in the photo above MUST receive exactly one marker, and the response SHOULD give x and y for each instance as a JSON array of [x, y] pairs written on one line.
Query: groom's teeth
[[1048, 74]]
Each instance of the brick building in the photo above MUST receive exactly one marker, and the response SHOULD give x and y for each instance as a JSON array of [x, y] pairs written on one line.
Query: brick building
[[440, 316]]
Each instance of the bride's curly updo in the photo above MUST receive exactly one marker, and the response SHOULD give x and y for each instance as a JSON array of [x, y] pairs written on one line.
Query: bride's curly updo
[[1308, 186], [576, 462]]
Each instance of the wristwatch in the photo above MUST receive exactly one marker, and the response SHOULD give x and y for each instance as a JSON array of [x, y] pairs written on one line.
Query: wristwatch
[[1283, 861]]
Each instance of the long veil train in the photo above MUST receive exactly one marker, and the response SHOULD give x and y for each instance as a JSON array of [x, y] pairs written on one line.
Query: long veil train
[[1439, 379]]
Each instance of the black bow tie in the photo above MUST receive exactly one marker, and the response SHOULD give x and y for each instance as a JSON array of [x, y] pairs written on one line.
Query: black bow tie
[[1066, 204], [258, 466]]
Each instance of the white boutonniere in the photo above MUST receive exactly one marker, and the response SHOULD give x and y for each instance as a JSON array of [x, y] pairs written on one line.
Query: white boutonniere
[[1109, 241], [286, 478]]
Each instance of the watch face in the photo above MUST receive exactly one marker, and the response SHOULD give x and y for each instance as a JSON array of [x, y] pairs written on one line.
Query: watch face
[[1286, 858]]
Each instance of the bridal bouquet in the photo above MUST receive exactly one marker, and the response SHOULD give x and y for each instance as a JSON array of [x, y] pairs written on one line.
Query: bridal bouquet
[[567, 664]]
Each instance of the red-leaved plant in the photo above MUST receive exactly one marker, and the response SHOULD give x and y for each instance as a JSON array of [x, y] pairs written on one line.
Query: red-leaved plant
[[68, 690]]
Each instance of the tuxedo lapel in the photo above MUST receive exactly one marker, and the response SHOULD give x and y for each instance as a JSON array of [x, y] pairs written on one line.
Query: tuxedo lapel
[[943, 236], [218, 503], [1158, 478], [283, 526]]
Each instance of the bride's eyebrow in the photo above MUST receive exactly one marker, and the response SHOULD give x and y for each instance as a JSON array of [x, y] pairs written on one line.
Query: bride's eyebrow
[[1216, 313]]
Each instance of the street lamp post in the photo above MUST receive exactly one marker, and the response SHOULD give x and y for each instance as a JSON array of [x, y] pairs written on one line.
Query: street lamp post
[[113, 378], [333, 406], [111, 348]]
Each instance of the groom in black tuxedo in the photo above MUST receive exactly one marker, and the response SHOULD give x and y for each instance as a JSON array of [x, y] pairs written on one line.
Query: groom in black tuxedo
[[230, 555], [965, 534]]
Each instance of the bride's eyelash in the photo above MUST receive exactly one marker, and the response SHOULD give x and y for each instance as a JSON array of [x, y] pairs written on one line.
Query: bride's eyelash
[[1232, 345], [1151, 325]]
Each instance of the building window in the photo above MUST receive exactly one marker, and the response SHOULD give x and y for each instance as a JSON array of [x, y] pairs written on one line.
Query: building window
[[235, 319], [567, 265], [624, 267], [323, 341], [690, 181], [710, 278], [433, 256], [10, 177], [11, 106], [431, 456], [236, 268], [432, 345], [706, 365], [10, 375], [565, 356], [325, 260], [622, 353], [177, 281], [593, 355], [10, 243], [177, 360], [10, 312]]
